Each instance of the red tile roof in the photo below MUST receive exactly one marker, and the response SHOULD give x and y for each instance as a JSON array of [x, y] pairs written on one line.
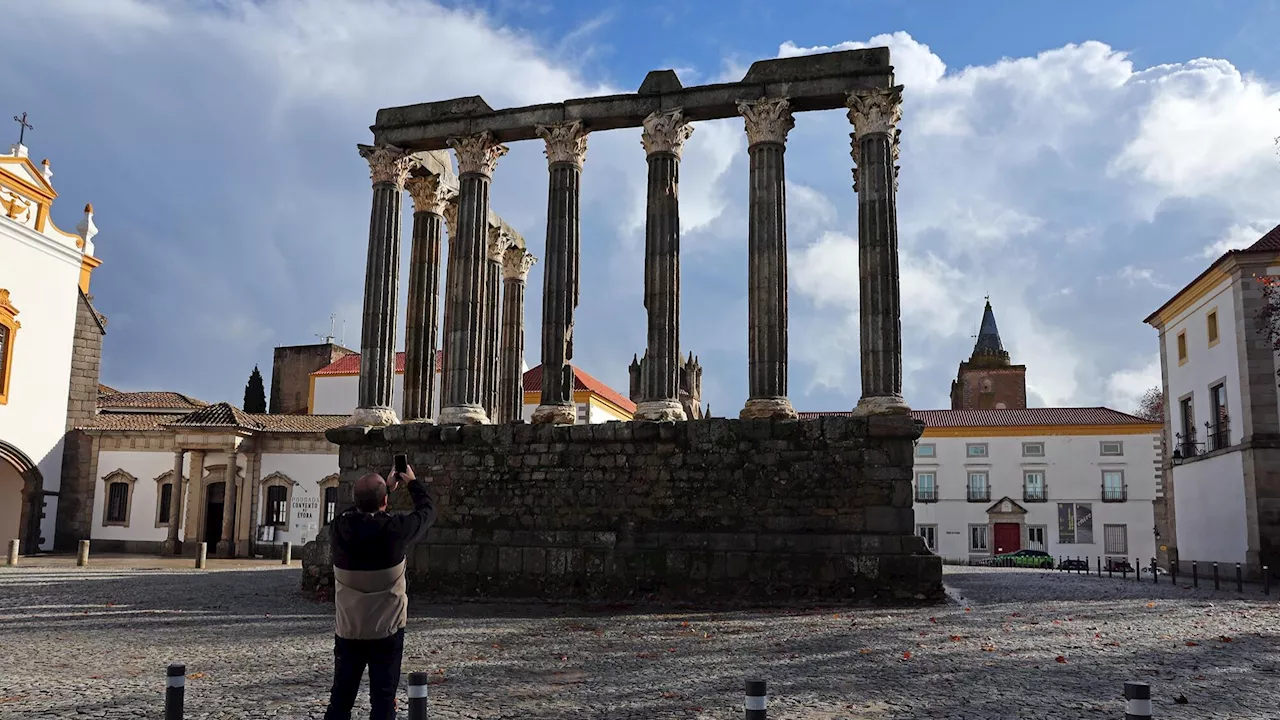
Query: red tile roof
[[350, 364], [1013, 417], [221, 415], [1270, 241], [131, 421], [148, 400], [581, 381]]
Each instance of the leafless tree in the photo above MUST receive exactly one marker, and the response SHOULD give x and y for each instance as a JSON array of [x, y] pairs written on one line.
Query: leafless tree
[[1151, 406]]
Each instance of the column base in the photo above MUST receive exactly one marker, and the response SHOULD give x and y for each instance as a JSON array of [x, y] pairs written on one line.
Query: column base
[[374, 416], [555, 415], [418, 421], [463, 415], [171, 547], [660, 411], [881, 405], [772, 408]]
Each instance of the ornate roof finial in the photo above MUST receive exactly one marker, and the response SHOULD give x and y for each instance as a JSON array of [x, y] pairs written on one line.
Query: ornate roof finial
[[86, 228]]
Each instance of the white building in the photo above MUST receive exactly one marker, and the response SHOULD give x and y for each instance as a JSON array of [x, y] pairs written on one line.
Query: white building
[[334, 389], [44, 281], [1073, 482], [1222, 419]]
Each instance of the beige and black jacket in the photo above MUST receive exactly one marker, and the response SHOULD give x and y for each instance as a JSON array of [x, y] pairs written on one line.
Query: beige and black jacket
[[369, 566]]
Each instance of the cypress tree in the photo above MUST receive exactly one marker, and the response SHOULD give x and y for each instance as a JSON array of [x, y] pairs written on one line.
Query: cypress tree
[[255, 393]]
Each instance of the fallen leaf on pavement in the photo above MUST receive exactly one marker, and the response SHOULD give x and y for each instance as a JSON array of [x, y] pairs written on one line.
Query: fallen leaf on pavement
[[1061, 659], [906, 655], [1192, 643], [195, 676]]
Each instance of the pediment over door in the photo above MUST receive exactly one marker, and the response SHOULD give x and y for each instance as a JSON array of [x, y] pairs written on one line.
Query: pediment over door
[[1006, 506]]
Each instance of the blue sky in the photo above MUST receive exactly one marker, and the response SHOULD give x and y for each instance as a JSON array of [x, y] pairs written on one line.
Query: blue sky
[[1078, 162]]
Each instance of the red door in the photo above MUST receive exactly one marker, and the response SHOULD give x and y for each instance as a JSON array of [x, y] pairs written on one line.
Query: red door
[[1008, 538]]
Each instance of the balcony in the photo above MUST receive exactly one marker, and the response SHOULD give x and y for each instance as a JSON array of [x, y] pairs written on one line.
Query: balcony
[[1115, 494], [1219, 436], [926, 495], [1035, 494], [978, 494]]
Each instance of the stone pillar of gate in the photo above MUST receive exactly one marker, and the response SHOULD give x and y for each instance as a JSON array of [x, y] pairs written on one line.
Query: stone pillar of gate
[[177, 494], [875, 115], [195, 498], [230, 495]]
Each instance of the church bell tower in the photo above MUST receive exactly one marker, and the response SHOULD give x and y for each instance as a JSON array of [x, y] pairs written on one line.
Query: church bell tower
[[988, 380]]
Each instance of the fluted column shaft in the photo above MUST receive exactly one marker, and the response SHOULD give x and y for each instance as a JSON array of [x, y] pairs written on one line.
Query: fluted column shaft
[[566, 148], [230, 495], [496, 246], [463, 401], [176, 496], [422, 322], [515, 271], [663, 138], [875, 116], [388, 168], [767, 124]]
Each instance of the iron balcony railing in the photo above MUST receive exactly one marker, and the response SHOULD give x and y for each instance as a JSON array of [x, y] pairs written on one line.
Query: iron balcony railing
[[926, 495], [979, 494], [1035, 494], [1115, 494], [1219, 435]]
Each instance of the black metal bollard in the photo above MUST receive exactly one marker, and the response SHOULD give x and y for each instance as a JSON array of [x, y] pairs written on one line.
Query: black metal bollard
[[1137, 570], [1155, 575], [1195, 575], [1216, 586], [1080, 564], [1239, 579], [174, 691], [1266, 580], [1137, 701], [1099, 566], [418, 696], [1124, 570], [1173, 572], [756, 702]]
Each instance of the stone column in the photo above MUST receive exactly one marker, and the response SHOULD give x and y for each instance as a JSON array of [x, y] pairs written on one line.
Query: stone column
[[421, 327], [227, 547], [663, 138], [175, 505], [389, 167], [566, 150], [875, 116], [195, 496], [515, 273], [463, 402], [767, 122], [496, 245]]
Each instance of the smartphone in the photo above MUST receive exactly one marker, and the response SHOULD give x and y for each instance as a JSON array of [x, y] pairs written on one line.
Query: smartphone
[[402, 464]]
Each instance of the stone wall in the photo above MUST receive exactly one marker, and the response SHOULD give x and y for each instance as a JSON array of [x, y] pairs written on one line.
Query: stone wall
[[291, 369], [716, 508], [75, 496]]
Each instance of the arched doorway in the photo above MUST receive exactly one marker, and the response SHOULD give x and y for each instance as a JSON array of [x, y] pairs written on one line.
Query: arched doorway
[[21, 498], [214, 503]]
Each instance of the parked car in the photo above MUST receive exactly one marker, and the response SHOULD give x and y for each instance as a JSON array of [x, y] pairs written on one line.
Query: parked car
[[1119, 565], [1074, 564], [1023, 558]]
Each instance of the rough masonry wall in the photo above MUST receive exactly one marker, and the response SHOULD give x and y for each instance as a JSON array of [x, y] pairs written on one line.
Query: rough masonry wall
[[291, 369], [713, 508], [1008, 387], [75, 496]]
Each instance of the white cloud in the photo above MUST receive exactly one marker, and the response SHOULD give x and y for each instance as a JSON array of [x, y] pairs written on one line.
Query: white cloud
[[1125, 387], [1236, 237], [1134, 275]]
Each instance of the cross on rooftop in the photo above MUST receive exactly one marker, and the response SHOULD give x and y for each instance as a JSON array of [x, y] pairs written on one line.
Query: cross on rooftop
[[24, 125]]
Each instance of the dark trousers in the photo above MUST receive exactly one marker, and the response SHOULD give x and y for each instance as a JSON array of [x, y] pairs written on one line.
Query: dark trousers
[[350, 657]]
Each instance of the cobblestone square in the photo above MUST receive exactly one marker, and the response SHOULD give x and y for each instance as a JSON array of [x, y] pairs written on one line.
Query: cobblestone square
[[94, 642]]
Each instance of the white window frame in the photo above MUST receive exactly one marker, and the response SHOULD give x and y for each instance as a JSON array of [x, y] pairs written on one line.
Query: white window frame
[[933, 483], [1124, 495], [986, 539], [986, 484], [969, 449], [1044, 484], [1044, 537], [932, 534], [1102, 448], [1027, 446], [932, 451], [1107, 548]]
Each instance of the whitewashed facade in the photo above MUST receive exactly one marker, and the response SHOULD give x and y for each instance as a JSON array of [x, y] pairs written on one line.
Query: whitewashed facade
[[1222, 415], [1073, 482], [44, 273]]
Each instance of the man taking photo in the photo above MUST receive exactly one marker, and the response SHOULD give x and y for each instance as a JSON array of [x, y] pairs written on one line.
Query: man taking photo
[[369, 590]]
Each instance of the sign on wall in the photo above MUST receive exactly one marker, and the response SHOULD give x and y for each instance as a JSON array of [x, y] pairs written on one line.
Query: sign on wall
[[306, 516], [1075, 523]]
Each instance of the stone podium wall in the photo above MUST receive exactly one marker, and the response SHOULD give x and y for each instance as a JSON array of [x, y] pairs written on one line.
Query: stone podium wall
[[753, 510]]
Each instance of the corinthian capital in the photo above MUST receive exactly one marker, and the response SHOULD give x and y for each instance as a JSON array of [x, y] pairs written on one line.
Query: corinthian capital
[[566, 142], [877, 111], [665, 131], [388, 163], [768, 120], [516, 262], [477, 153], [429, 194], [497, 244]]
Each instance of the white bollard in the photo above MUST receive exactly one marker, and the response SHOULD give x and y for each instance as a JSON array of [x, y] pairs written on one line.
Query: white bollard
[[82, 557], [202, 554], [13, 552]]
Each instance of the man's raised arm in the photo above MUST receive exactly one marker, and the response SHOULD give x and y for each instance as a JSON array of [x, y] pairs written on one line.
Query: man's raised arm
[[414, 524]]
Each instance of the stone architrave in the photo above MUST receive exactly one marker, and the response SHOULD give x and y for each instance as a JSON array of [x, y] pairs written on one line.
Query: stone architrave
[[663, 138], [875, 116], [227, 547], [516, 263], [495, 248], [463, 392], [767, 123], [176, 496], [566, 150], [389, 168], [430, 197]]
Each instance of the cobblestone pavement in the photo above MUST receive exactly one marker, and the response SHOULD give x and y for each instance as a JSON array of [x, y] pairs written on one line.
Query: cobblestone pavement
[[94, 642]]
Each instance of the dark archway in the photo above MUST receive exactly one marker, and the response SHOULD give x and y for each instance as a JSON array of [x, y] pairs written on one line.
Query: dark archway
[[32, 496]]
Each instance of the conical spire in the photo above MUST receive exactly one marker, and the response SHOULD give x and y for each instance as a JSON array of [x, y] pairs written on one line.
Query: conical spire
[[989, 344]]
